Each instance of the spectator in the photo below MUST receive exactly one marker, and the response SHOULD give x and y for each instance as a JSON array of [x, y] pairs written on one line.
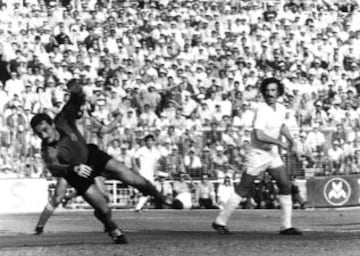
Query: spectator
[[148, 117], [347, 166], [336, 113], [247, 116], [14, 86], [213, 136], [125, 155], [114, 148], [173, 164], [193, 123], [335, 154], [221, 163], [164, 187], [265, 193], [178, 121], [188, 104], [349, 148], [204, 112], [172, 134], [224, 191], [129, 120], [304, 151], [316, 139], [207, 163], [192, 163], [339, 134], [182, 192], [230, 136], [217, 114], [205, 193], [319, 115]]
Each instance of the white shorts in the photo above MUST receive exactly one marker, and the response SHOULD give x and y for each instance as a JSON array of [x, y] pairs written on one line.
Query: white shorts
[[258, 160]]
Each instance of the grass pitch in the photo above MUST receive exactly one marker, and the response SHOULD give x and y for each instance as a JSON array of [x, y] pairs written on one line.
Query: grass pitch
[[171, 232]]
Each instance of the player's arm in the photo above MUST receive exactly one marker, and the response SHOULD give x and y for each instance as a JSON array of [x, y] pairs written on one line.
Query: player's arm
[[73, 105], [62, 170], [259, 126], [52, 163], [286, 133], [59, 169], [264, 138]]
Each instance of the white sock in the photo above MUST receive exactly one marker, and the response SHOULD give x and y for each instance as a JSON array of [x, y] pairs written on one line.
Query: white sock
[[142, 201], [286, 211], [228, 208]]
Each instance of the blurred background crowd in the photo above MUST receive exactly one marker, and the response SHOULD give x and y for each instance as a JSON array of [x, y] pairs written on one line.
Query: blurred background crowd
[[187, 72]]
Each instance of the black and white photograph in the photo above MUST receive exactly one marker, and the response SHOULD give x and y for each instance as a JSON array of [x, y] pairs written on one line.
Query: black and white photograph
[[179, 127]]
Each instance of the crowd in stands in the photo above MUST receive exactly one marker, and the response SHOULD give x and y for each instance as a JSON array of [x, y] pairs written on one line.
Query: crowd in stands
[[187, 72]]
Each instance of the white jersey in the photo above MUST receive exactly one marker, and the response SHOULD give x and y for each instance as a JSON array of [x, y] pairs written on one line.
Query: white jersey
[[148, 159], [269, 121]]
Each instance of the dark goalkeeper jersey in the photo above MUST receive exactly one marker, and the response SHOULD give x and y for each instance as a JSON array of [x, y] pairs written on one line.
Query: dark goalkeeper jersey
[[71, 149]]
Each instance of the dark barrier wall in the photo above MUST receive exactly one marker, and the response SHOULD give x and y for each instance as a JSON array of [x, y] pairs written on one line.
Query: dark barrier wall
[[334, 191]]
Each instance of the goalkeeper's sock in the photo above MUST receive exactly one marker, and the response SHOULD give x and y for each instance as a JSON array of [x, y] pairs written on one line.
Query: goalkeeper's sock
[[45, 215]]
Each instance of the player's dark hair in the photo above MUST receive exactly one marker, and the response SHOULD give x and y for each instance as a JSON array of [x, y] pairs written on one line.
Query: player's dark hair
[[38, 118], [270, 80]]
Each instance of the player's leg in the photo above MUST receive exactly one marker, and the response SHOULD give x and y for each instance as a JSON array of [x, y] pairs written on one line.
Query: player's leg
[[53, 203], [232, 203], [100, 183], [116, 170], [113, 169], [284, 184], [143, 199], [96, 199], [256, 162]]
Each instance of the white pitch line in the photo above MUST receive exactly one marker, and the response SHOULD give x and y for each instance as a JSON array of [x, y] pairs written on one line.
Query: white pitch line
[[331, 230], [334, 209]]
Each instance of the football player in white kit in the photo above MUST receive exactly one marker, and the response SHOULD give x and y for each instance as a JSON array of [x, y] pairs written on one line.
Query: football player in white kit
[[263, 154], [145, 162]]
